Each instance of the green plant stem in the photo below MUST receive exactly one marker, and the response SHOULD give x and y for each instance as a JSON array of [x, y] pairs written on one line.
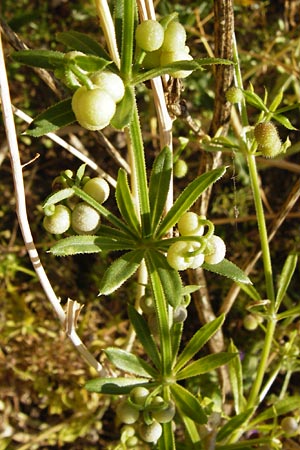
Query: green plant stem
[[253, 397], [139, 171], [127, 39]]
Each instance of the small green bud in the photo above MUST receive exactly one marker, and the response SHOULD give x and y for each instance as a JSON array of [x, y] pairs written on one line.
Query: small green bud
[[150, 433], [180, 168], [127, 413], [149, 35], [59, 222], [138, 395], [217, 250], [97, 188], [85, 219], [289, 425]]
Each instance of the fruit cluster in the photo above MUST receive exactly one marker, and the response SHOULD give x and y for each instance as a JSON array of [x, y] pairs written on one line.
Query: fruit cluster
[[191, 254], [148, 411], [94, 108], [163, 46], [81, 217]]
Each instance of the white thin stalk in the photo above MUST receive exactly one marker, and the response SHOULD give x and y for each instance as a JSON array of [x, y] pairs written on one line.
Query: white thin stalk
[[21, 211]]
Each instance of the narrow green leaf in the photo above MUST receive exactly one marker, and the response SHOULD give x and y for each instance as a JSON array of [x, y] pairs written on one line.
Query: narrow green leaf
[[74, 245], [187, 198], [283, 120], [167, 439], [281, 407], [276, 101], [46, 59], [236, 379], [204, 365], [228, 269], [125, 202], [250, 290], [286, 277], [159, 185], [130, 363], [58, 197], [82, 43], [120, 270], [144, 335], [233, 424], [195, 64], [124, 110], [169, 278], [291, 312], [198, 341], [115, 386], [90, 63], [254, 100], [188, 404], [55, 117]]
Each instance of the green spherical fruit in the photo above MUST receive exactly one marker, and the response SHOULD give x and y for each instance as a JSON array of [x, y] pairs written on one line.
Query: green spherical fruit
[[147, 304], [138, 395], [250, 322], [93, 108], [97, 188], [167, 58], [234, 95], [217, 250], [127, 413], [174, 38], [59, 222], [85, 219], [188, 225], [177, 255], [180, 168], [149, 35], [150, 433], [110, 83], [266, 135], [165, 414]]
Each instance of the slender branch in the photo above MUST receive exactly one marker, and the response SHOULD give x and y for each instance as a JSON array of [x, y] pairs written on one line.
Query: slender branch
[[22, 212]]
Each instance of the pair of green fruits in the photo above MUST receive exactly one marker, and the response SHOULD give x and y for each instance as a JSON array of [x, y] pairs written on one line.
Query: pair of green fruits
[[83, 219]]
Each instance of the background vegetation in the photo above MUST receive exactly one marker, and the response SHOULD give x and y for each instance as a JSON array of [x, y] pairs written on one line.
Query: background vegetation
[[42, 400]]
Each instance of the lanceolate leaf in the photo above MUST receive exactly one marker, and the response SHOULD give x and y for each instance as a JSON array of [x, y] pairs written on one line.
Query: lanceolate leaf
[[120, 270], [58, 196], [74, 245], [187, 198], [90, 63], [188, 404], [286, 277], [82, 43], [125, 201], [204, 365], [236, 380], [198, 341], [46, 59], [124, 111], [228, 269], [159, 185], [170, 279], [115, 386], [130, 363], [285, 406], [283, 120], [55, 117], [144, 335]]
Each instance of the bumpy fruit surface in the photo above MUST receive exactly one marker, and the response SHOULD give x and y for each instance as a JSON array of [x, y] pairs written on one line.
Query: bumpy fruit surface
[[150, 433], [174, 38], [59, 222], [93, 108], [188, 225], [234, 95], [110, 83], [127, 413], [266, 135], [149, 35], [85, 219], [167, 58], [218, 250], [97, 188]]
